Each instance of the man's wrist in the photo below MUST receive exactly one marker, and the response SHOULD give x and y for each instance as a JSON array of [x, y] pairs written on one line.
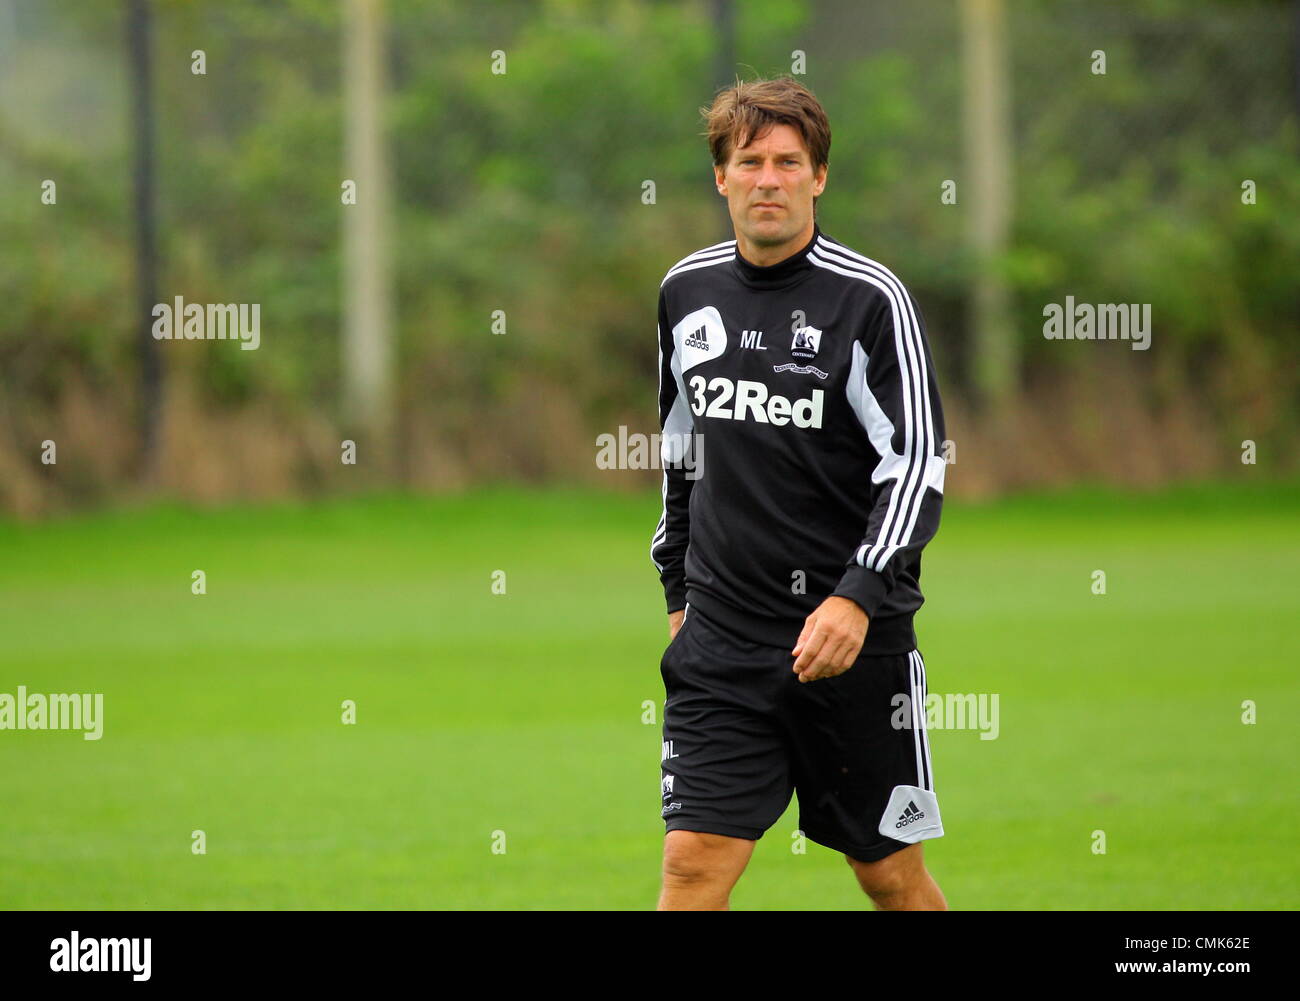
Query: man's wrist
[[851, 601]]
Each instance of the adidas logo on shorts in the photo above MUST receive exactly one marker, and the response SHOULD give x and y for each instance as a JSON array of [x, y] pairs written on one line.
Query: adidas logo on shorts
[[910, 815]]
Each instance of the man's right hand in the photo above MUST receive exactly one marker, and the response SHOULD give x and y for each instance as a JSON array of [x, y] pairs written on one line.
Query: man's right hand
[[675, 623]]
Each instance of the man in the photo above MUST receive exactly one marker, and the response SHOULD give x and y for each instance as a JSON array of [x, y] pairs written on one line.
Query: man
[[790, 551]]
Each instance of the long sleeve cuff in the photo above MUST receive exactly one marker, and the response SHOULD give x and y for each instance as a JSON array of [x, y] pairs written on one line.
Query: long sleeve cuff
[[866, 587], [675, 594]]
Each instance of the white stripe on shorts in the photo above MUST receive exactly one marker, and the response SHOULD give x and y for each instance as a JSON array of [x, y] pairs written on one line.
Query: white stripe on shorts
[[924, 768]]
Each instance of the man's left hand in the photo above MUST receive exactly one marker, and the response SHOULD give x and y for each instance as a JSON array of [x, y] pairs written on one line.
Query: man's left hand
[[831, 640]]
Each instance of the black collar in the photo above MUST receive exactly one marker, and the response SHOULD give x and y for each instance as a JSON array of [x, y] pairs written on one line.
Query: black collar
[[780, 274]]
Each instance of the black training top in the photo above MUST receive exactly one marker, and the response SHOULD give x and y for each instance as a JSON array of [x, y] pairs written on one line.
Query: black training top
[[802, 441]]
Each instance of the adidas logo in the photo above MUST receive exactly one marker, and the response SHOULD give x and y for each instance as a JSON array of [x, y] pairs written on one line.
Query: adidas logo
[[698, 339], [910, 815]]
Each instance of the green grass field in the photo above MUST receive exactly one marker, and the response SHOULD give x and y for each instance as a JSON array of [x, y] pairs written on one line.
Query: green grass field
[[522, 712]]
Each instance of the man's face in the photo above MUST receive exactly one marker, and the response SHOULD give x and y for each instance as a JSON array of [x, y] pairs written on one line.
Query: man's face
[[769, 185]]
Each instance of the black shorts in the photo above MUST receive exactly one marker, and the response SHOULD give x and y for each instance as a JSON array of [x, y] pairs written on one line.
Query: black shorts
[[741, 733]]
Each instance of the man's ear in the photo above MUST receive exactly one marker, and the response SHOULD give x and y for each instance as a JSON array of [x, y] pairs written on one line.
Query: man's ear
[[718, 174], [820, 179]]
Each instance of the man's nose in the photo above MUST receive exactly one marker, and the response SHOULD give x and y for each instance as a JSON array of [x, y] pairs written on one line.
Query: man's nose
[[769, 178]]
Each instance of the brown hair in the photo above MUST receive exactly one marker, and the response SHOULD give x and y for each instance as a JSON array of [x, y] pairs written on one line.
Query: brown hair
[[749, 108]]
